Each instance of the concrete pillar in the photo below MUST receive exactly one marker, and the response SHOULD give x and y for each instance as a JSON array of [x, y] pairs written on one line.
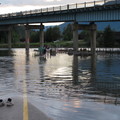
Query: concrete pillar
[[75, 37], [27, 39], [41, 35], [9, 38], [93, 32]]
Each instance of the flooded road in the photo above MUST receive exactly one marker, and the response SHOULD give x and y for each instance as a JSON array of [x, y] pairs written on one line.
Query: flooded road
[[64, 87]]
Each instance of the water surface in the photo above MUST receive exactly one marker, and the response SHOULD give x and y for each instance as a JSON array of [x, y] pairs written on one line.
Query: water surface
[[64, 87]]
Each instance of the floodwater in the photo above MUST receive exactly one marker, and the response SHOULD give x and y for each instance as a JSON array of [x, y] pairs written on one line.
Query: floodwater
[[64, 87]]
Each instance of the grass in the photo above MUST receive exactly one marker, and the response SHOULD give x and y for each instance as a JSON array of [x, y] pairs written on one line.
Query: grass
[[66, 44]]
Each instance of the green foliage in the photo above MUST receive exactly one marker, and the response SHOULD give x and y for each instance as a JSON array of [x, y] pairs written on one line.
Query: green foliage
[[34, 36], [52, 34], [49, 35], [67, 33], [21, 32], [99, 39], [108, 37], [105, 38], [86, 37], [3, 37], [15, 35]]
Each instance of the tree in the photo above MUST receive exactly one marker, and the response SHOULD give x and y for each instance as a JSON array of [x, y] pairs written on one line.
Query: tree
[[57, 33], [52, 34], [108, 37], [68, 33], [34, 36], [15, 34], [99, 39], [3, 37], [49, 35], [86, 36]]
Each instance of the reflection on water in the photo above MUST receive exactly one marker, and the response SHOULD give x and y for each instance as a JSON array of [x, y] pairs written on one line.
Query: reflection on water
[[63, 81], [6, 52]]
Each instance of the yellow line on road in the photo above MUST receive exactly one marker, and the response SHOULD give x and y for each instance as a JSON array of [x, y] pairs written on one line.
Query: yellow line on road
[[25, 101]]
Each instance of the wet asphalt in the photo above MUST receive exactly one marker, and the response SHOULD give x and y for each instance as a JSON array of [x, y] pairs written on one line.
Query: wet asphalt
[[16, 111]]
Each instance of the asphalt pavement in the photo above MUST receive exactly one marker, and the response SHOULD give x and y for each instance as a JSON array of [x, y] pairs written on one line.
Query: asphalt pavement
[[16, 112]]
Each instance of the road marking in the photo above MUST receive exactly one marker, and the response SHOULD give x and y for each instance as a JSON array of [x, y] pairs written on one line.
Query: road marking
[[25, 101]]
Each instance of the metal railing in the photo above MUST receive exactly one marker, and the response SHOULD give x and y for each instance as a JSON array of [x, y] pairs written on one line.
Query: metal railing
[[65, 7]]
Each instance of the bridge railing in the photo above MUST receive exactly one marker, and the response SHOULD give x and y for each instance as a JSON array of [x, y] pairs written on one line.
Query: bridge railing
[[100, 2], [65, 7], [57, 8], [44, 10], [72, 6]]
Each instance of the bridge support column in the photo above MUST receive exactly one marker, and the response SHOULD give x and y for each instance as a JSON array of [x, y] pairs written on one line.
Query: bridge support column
[[9, 38], [93, 38], [75, 37], [41, 35], [27, 35]]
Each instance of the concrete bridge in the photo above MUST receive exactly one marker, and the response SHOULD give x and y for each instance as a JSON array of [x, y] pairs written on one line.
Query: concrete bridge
[[97, 11]]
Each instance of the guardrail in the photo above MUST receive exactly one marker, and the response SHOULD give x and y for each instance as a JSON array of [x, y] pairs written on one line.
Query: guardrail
[[65, 7]]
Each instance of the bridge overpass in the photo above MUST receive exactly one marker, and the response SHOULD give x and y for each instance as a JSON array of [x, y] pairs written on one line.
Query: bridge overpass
[[97, 11]]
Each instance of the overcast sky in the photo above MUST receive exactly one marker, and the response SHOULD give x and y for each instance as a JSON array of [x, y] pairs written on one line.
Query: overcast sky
[[40, 2], [8, 6]]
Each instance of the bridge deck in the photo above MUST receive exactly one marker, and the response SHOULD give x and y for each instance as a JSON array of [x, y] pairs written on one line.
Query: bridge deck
[[97, 11]]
